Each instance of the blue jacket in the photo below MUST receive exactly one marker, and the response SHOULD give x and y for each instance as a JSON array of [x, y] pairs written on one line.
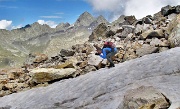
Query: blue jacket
[[105, 51]]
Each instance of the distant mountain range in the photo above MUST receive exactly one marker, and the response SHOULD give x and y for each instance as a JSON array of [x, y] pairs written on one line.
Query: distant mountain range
[[17, 44]]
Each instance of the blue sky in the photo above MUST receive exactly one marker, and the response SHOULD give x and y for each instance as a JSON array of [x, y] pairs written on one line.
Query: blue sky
[[22, 12], [18, 13]]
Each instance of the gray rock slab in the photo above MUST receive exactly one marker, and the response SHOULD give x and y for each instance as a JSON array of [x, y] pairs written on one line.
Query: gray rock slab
[[105, 88]]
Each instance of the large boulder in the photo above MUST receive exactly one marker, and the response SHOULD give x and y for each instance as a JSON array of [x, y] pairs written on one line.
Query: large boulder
[[69, 63], [130, 19], [36, 58], [174, 29], [178, 9], [166, 10], [41, 75], [146, 49], [68, 52], [94, 60], [145, 97], [127, 29], [100, 31], [147, 20], [152, 33], [155, 42]]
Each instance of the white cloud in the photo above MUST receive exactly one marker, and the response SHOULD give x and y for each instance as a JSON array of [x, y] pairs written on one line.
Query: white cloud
[[18, 26], [105, 5], [112, 9], [54, 17], [8, 25], [141, 8], [52, 24], [4, 24]]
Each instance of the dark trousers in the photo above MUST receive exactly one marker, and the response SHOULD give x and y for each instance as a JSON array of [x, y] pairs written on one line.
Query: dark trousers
[[109, 57]]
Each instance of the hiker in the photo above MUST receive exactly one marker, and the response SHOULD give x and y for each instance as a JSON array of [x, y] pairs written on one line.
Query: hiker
[[107, 52]]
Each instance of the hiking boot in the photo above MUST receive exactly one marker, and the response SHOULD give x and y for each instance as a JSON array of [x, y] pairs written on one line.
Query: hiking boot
[[111, 65]]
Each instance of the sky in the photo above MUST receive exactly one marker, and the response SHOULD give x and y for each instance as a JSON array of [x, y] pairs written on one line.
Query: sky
[[18, 13]]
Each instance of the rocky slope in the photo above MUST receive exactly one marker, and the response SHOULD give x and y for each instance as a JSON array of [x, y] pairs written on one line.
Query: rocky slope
[[111, 88]]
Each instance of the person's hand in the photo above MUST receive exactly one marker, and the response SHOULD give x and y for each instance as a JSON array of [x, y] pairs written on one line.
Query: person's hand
[[97, 54]]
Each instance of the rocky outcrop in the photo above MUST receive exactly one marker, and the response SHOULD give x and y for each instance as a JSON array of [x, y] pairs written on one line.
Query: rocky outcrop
[[99, 32], [145, 97], [106, 88], [169, 10]]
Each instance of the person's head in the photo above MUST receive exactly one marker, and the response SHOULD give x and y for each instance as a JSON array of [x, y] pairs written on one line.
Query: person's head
[[99, 50]]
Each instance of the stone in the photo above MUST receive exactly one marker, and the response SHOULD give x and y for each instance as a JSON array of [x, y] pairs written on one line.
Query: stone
[[64, 52], [164, 43], [127, 29], [136, 45], [100, 31], [120, 54], [146, 27], [11, 75], [152, 33], [146, 49], [15, 73], [120, 45], [116, 29], [174, 28], [147, 20], [178, 9], [145, 97], [69, 63], [89, 69], [138, 30], [129, 54], [1, 86], [171, 17], [130, 19], [94, 60], [166, 10], [3, 77], [110, 33], [10, 85], [3, 93], [40, 75], [82, 64], [161, 49], [40, 58], [155, 42]]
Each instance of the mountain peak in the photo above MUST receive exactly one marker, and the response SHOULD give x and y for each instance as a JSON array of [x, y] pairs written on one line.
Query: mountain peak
[[86, 13], [63, 26], [85, 19], [101, 19]]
